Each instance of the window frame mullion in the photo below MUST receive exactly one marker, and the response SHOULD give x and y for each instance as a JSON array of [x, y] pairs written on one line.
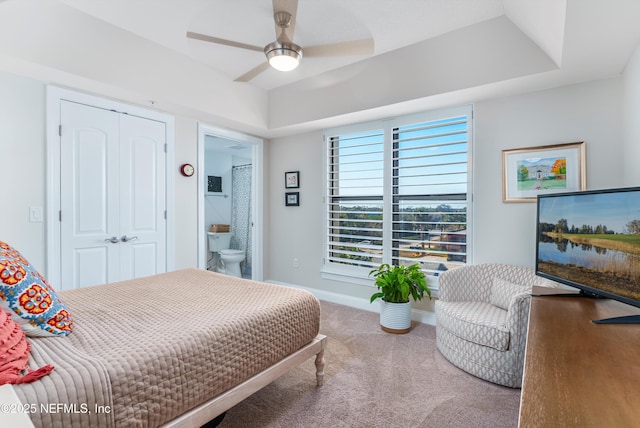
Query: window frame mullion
[[387, 199]]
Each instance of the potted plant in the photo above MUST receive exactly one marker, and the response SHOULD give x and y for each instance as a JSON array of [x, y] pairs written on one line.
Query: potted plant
[[395, 285]]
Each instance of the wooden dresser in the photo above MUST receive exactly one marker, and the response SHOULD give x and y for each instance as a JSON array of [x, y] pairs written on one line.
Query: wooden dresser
[[576, 373]]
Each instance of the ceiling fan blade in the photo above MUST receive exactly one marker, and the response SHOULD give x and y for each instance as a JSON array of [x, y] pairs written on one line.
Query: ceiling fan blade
[[252, 73], [211, 39], [352, 47], [290, 6]]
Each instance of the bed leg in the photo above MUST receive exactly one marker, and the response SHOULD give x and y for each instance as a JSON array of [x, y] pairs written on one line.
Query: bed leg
[[320, 360], [320, 368]]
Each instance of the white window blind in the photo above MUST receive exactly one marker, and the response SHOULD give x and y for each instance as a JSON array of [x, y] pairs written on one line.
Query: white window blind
[[397, 192], [430, 169], [355, 192]]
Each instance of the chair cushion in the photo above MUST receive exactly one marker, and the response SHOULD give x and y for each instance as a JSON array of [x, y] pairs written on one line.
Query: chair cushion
[[477, 322], [503, 291]]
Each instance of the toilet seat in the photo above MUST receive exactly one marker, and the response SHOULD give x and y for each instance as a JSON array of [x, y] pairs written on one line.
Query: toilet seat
[[231, 260], [230, 252]]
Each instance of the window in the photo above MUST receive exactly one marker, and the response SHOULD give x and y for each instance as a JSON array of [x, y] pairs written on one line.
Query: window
[[397, 192], [355, 203]]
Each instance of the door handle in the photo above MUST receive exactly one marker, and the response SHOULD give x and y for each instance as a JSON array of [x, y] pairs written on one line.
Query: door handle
[[113, 240], [126, 238]]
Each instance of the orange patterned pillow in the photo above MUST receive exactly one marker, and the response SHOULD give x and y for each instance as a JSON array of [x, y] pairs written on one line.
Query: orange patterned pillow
[[27, 296]]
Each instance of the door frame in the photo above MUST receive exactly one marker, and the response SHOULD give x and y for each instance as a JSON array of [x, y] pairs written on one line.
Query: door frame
[[257, 192], [55, 95]]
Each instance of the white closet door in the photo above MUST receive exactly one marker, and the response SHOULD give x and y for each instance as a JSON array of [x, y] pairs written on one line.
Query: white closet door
[[142, 197], [113, 196], [89, 197]]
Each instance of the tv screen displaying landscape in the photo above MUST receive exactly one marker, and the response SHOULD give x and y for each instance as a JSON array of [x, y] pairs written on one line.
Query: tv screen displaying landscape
[[591, 240]]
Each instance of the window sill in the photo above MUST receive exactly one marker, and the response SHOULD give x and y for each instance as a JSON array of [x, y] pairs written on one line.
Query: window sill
[[350, 275], [360, 277]]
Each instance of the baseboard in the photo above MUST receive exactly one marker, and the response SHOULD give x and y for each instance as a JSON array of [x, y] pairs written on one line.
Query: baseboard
[[418, 315]]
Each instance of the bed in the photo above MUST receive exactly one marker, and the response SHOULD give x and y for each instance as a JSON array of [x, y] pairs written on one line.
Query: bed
[[172, 350]]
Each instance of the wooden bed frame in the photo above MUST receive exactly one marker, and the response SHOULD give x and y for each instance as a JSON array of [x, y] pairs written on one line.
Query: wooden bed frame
[[206, 412]]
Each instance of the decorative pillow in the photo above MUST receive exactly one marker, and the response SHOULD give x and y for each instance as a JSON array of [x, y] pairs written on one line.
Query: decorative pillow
[[14, 354], [27, 296], [503, 291]]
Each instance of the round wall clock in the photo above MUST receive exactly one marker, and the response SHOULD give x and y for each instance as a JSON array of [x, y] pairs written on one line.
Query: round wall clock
[[187, 170]]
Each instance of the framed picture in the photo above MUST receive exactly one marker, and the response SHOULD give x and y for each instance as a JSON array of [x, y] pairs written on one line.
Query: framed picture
[[532, 171], [292, 179], [292, 199], [214, 184]]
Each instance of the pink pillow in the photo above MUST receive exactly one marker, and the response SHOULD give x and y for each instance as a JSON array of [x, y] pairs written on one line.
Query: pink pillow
[[30, 300], [14, 354]]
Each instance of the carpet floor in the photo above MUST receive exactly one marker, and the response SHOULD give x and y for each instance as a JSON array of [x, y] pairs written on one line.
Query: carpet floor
[[377, 379]]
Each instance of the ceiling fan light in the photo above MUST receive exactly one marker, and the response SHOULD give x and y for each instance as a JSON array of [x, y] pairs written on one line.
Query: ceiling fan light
[[283, 57], [283, 62]]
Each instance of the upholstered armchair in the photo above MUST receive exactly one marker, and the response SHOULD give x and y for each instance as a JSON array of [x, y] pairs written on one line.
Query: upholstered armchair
[[481, 319]]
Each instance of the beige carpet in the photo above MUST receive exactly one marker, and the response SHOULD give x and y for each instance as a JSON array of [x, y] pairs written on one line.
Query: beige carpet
[[377, 379]]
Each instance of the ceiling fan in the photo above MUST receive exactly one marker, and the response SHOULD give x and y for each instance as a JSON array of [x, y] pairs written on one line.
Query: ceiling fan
[[283, 54]]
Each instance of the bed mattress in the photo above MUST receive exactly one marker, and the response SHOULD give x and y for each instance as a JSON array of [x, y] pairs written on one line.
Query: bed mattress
[[145, 351]]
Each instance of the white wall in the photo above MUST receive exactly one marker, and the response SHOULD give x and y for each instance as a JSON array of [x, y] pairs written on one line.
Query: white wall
[[22, 165], [217, 209], [186, 194], [631, 82], [588, 112], [295, 232]]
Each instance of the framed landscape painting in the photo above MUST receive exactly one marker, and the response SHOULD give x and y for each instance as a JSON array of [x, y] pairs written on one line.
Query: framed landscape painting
[[532, 171]]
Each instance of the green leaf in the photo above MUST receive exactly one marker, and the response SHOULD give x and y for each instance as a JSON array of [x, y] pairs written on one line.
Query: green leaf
[[396, 283]]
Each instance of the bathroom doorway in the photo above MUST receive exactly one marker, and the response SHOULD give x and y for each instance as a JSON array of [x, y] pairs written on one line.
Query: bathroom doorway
[[230, 194]]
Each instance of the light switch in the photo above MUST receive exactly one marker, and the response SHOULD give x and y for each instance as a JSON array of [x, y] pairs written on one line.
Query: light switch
[[35, 214]]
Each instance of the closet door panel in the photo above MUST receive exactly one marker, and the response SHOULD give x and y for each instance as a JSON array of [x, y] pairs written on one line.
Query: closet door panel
[[142, 196], [89, 195]]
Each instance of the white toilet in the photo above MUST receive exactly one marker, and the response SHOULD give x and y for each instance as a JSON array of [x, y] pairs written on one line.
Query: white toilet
[[231, 259]]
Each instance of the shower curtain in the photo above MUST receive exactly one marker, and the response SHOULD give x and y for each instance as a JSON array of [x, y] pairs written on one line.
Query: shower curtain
[[241, 213]]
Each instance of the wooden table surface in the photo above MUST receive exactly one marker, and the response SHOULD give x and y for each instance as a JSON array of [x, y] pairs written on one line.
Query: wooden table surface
[[576, 373]]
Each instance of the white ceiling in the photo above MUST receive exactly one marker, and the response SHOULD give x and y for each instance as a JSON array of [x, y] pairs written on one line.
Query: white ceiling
[[428, 53], [392, 25]]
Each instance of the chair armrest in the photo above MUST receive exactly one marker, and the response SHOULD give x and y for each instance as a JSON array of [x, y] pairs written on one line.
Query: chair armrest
[[518, 312], [518, 325]]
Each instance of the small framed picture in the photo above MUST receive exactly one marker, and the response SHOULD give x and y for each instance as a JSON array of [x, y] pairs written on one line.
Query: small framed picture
[[292, 199], [292, 179]]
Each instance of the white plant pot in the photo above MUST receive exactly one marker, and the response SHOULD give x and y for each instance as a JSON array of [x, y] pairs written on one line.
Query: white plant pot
[[395, 317]]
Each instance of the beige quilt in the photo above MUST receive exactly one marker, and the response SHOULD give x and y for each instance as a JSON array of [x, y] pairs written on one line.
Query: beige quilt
[[144, 351]]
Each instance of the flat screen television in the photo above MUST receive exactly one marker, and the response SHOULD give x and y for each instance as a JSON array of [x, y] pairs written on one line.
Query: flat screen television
[[590, 240]]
